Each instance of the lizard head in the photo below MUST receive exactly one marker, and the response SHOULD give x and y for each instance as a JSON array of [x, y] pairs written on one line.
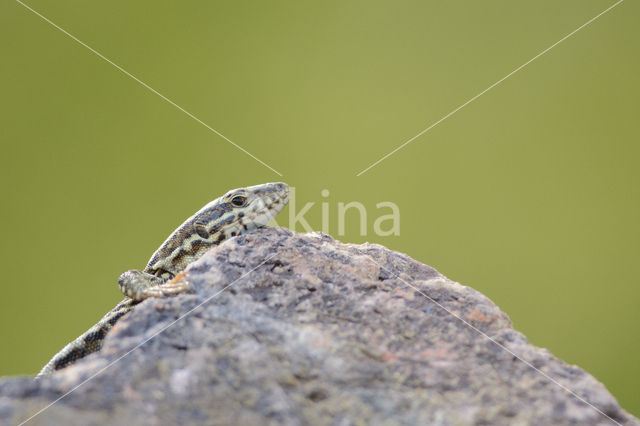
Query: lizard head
[[239, 211], [255, 206]]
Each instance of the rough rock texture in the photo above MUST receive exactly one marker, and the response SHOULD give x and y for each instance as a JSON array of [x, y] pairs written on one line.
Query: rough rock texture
[[320, 333]]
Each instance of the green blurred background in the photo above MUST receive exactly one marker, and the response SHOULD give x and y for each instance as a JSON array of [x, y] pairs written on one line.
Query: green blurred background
[[529, 194]]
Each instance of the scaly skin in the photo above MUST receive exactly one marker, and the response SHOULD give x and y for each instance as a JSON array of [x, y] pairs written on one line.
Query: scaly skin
[[237, 212]]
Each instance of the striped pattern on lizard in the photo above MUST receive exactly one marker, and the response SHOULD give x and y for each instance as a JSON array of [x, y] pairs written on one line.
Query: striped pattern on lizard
[[237, 212]]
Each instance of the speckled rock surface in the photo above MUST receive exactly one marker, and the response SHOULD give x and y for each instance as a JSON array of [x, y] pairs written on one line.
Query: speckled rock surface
[[286, 328]]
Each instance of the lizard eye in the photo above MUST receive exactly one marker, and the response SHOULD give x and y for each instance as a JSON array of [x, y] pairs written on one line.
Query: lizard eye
[[238, 200]]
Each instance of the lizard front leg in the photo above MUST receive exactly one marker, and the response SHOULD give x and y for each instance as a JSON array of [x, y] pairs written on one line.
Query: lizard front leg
[[139, 285]]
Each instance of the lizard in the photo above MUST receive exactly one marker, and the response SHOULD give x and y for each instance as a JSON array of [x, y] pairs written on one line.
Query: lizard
[[235, 213]]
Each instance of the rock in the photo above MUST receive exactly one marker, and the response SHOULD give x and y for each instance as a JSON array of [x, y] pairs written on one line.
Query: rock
[[287, 328]]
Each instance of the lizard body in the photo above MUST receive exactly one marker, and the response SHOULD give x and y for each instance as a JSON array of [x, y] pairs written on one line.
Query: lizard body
[[237, 212]]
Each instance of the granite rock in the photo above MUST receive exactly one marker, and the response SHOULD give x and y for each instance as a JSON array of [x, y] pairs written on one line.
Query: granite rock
[[288, 328]]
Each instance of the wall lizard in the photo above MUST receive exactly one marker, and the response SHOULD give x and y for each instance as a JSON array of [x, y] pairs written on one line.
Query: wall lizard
[[237, 212]]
